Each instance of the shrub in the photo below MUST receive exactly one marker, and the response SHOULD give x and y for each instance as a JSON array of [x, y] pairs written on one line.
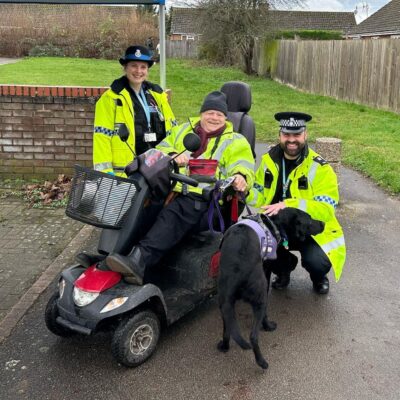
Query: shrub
[[309, 35], [72, 30], [48, 50]]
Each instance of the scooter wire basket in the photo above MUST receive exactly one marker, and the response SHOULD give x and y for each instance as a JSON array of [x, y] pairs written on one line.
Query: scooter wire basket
[[100, 199]]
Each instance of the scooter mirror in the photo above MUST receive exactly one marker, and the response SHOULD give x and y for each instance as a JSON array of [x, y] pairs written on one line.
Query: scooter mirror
[[191, 142], [123, 132]]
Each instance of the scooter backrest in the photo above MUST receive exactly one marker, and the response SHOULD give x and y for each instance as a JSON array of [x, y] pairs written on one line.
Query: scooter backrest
[[238, 98]]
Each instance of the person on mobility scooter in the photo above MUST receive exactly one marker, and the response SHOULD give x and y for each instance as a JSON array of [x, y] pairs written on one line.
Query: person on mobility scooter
[[222, 154], [91, 297]]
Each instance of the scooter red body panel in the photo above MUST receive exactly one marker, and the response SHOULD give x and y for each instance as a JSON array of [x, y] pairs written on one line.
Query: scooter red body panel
[[97, 281]]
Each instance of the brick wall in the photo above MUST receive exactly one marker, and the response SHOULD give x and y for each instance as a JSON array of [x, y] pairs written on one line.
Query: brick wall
[[45, 130]]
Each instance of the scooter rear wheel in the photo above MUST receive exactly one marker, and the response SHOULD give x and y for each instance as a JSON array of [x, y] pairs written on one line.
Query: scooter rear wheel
[[50, 316], [136, 338]]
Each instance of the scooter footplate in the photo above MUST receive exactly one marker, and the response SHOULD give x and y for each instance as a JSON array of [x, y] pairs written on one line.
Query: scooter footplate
[[74, 327]]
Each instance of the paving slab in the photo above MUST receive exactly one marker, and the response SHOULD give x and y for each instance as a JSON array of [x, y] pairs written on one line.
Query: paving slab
[[31, 239]]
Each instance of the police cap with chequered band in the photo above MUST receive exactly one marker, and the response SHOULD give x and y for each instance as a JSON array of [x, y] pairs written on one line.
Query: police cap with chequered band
[[292, 122], [136, 53]]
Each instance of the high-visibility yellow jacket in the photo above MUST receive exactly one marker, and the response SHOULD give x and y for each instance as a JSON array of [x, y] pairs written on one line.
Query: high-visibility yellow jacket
[[319, 197], [233, 153], [114, 107]]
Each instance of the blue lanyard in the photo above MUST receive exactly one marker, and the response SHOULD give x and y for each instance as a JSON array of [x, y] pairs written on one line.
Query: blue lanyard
[[142, 99], [285, 180]]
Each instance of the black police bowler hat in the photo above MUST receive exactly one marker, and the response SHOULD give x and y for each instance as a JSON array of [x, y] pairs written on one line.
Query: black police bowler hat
[[292, 122], [136, 53]]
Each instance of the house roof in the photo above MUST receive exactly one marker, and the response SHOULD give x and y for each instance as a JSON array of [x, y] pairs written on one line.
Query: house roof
[[280, 20], [185, 20], [385, 21]]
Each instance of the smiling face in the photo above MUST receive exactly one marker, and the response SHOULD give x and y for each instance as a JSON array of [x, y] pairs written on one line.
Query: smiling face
[[292, 143], [136, 72], [212, 120]]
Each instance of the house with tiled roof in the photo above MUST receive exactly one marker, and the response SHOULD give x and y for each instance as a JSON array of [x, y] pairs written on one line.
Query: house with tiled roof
[[280, 20], [185, 22], [385, 23]]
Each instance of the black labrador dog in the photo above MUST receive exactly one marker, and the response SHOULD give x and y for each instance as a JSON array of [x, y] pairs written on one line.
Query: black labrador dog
[[297, 224], [242, 276]]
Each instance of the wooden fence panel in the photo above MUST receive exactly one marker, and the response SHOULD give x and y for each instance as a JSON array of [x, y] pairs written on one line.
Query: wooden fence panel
[[360, 71], [181, 48], [394, 96]]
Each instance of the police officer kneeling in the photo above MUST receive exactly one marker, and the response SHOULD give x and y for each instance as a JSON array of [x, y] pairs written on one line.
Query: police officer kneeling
[[233, 158], [293, 175]]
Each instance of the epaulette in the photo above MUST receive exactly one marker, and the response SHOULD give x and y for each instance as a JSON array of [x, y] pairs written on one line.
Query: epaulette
[[320, 160]]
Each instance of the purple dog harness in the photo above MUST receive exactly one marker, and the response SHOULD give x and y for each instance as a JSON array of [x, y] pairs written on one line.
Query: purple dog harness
[[268, 243]]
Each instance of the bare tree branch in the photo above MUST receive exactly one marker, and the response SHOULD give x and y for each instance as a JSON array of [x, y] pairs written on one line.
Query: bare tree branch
[[229, 27]]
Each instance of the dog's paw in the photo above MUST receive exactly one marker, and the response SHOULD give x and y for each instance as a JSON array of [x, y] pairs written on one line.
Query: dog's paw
[[222, 347], [269, 326], [263, 364]]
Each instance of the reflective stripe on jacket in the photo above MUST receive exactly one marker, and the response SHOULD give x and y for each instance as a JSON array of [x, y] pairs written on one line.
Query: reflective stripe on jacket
[[233, 153], [110, 154], [319, 198]]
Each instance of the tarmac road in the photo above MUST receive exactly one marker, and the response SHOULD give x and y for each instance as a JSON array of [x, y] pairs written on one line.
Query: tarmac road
[[342, 346]]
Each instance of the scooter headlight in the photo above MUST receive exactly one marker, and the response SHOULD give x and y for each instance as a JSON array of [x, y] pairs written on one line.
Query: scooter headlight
[[113, 304], [61, 287], [83, 298]]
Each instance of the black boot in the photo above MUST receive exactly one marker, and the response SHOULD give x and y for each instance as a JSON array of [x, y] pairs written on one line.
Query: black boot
[[281, 281], [87, 260], [321, 286], [131, 266]]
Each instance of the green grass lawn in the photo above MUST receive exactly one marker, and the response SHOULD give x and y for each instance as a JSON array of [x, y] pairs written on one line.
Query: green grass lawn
[[371, 137]]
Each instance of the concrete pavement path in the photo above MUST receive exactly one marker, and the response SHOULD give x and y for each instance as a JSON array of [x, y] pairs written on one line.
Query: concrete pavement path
[[5, 60]]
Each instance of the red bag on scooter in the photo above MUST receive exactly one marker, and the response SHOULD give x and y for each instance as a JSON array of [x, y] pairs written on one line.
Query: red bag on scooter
[[203, 170]]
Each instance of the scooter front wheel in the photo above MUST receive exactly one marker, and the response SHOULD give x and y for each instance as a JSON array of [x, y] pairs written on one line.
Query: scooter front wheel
[[136, 338], [50, 316]]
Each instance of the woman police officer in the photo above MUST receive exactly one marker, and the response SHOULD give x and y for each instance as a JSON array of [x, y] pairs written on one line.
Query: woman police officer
[[139, 104]]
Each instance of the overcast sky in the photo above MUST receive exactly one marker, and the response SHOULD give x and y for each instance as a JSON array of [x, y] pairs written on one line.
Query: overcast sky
[[364, 8]]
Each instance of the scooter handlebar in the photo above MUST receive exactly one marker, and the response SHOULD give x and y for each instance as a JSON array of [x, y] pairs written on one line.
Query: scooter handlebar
[[184, 179]]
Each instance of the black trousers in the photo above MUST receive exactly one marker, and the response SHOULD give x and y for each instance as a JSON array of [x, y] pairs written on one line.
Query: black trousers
[[313, 259], [180, 217]]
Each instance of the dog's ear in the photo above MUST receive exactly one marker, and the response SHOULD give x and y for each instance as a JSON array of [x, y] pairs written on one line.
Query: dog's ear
[[317, 226], [307, 226]]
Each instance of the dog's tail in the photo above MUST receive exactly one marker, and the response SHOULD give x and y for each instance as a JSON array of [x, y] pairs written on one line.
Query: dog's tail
[[232, 327], [238, 338]]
